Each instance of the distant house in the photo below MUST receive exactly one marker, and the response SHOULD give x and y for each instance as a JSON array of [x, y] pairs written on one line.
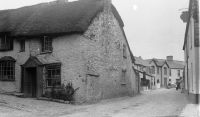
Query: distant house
[[50, 44], [166, 70], [156, 65], [191, 49], [145, 72], [176, 69]]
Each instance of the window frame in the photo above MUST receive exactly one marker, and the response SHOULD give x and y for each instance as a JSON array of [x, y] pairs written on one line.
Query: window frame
[[165, 70], [179, 73], [54, 77], [153, 69], [7, 71], [123, 79], [158, 70], [124, 51], [6, 43], [47, 44], [22, 45]]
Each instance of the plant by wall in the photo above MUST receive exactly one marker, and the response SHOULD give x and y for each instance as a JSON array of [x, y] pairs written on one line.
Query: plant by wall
[[65, 92]]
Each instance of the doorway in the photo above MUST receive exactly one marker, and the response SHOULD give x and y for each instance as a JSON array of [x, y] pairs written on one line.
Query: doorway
[[165, 82], [30, 82]]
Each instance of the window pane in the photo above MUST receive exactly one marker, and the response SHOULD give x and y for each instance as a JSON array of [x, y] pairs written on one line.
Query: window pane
[[6, 70], [53, 75]]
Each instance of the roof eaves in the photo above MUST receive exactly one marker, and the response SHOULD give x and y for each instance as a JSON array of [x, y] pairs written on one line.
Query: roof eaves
[[187, 26]]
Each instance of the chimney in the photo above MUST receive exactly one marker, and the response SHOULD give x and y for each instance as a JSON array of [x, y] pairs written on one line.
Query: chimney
[[107, 5], [169, 58], [185, 16]]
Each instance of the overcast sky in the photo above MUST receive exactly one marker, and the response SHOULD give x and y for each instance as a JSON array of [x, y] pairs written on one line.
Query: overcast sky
[[153, 27]]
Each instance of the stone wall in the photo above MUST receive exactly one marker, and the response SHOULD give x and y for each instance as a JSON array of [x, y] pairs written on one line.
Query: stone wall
[[97, 62]]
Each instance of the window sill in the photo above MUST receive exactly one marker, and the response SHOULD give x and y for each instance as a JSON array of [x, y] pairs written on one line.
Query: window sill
[[123, 83], [48, 52], [6, 80], [21, 51]]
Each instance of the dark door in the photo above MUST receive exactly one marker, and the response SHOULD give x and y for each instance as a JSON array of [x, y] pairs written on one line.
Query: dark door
[[30, 82], [165, 82]]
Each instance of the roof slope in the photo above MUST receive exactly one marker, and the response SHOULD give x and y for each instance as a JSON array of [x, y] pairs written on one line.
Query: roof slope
[[140, 61], [175, 64], [52, 18]]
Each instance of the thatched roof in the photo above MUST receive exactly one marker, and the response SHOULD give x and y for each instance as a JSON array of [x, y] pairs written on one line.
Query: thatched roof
[[52, 18]]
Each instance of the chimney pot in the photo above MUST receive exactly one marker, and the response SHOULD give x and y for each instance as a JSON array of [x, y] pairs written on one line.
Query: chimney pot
[[169, 58]]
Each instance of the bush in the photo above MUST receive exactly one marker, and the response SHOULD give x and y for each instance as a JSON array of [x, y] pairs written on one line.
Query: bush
[[65, 92]]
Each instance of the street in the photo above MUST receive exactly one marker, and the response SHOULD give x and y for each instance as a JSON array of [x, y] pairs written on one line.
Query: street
[[153, 103]]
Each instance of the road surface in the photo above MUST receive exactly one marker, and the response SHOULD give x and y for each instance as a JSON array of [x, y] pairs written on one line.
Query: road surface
[[154, 103]]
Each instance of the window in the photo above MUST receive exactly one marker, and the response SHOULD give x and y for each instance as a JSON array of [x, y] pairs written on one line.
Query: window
[[170, 72], [124, 51], [165, 71], [153, 69], [22, 45], [123, 80], [179, 73], [53, 76], [7, 70], [157, 70], [47, 44], [5, 43]]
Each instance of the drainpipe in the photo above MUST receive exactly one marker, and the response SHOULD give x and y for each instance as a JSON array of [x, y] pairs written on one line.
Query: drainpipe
[[161, 78]]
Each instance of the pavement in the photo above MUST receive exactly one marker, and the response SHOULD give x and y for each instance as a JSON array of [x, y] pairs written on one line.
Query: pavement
[[191, 110], [152, 103]]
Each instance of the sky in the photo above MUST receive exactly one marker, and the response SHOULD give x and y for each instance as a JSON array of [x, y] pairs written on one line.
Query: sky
[[153, 27]]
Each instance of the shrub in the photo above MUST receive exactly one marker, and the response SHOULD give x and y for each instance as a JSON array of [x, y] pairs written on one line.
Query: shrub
[[65, 92]]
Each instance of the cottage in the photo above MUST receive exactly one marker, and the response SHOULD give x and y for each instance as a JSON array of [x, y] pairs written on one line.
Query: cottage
[[51, 44], [191, 51]]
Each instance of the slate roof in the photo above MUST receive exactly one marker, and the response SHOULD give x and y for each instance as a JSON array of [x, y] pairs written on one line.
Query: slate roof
[[175, 64], [140, 61], [52, 18], [158, 62]]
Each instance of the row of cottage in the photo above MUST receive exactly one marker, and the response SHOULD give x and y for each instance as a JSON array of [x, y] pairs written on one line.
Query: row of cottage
[[159, 72]]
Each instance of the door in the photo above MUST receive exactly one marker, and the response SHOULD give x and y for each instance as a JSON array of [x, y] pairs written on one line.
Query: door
[[165, 82], [30, 82], [93, 89]]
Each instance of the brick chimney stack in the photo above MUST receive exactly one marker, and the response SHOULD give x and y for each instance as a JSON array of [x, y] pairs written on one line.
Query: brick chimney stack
[[169, 58]]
